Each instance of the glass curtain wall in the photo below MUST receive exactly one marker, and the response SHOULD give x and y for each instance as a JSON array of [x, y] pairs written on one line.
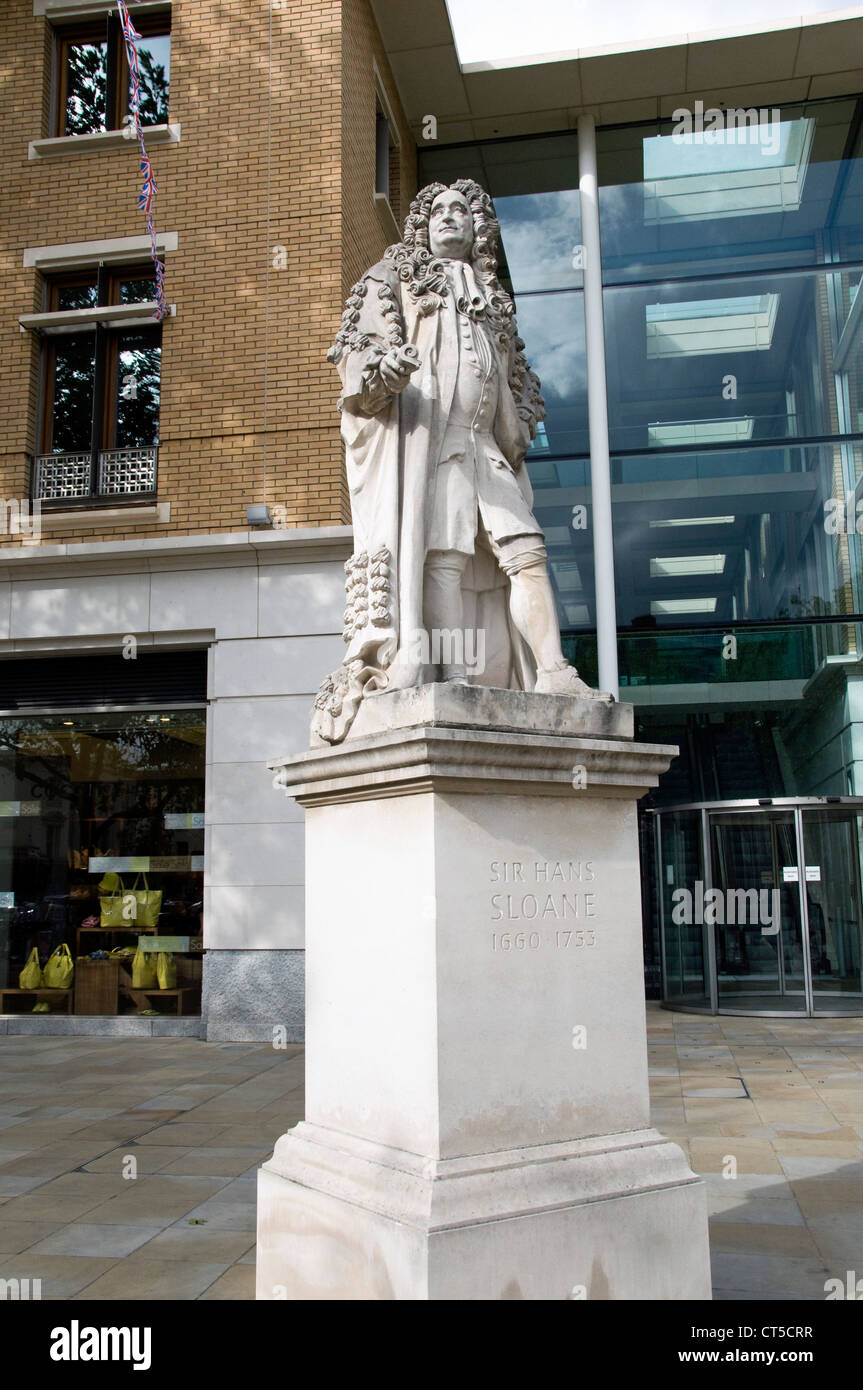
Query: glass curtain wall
[[731, 263], [732, 260]]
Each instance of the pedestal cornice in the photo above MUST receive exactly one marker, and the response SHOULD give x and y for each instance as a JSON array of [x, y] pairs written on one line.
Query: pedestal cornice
[[470, 739]]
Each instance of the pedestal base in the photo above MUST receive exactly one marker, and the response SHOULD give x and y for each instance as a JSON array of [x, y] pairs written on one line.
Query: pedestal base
[[477, 1106], [617, 1217]]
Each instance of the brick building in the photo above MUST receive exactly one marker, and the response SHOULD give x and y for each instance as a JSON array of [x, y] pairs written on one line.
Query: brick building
[[158, 647], [265, 141]]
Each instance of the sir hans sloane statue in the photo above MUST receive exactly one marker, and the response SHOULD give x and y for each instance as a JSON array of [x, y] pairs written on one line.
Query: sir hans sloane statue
[[453, 1146], [438, 410]]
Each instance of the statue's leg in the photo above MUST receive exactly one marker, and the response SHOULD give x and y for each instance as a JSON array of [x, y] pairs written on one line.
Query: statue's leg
[[443, 612], [534, 613]]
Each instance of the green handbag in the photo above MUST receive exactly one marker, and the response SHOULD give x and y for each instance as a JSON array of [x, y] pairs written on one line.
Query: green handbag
[[149, 903]]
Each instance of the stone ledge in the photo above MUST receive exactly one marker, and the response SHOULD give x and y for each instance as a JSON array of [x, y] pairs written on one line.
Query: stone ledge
[[100, 1026], [442, 705], [436, 1195], [62, 146], [471, 760]]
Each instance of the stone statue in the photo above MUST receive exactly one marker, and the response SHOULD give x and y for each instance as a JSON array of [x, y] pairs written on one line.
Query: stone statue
[[449, 578]]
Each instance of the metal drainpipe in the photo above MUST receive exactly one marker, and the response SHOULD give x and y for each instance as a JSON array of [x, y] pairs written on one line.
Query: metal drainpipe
[[597, 406]]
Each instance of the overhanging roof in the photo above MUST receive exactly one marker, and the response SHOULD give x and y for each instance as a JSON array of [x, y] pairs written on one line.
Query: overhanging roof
[[790, 60]]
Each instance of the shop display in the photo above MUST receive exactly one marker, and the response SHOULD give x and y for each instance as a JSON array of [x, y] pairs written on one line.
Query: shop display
[[106, 852]]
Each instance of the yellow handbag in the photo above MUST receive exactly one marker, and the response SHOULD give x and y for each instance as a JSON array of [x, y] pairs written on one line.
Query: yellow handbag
[[143, 970], [166, 970], [149, 903], [111, 902], [59, 970], [31, 975]]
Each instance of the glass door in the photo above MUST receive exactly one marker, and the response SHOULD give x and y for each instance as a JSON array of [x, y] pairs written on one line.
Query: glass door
[[754, 907], [831, 848], [685, 953]]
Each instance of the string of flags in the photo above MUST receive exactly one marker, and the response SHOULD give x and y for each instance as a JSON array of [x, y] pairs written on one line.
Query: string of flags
[[148, 181]]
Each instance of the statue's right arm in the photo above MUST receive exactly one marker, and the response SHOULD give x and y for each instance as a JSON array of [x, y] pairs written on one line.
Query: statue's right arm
[[364, 390], [372, 333]]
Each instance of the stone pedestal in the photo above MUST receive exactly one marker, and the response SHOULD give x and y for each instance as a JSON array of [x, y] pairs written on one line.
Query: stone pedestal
[[477, 1117]]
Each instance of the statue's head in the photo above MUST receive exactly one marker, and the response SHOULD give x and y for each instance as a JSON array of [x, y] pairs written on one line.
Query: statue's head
[[456, 221], [451, 226]]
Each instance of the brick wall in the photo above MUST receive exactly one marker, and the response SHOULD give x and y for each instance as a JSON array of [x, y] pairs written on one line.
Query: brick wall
[[366, 235], [248, 399]]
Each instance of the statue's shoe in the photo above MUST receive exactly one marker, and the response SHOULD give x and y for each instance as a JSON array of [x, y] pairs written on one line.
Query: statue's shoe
[[403, 673], [565, 680]]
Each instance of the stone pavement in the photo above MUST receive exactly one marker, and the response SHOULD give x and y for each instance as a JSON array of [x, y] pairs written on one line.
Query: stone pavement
[[779, 1102], [197, 1118]]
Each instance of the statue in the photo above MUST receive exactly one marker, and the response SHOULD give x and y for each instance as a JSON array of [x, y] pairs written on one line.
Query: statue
[[449, 577]]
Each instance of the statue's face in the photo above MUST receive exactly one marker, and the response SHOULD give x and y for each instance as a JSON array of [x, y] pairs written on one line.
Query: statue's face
[[451, 226]]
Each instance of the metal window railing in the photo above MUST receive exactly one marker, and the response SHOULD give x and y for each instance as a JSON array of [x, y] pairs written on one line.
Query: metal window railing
[[118, 473], [127, 471]]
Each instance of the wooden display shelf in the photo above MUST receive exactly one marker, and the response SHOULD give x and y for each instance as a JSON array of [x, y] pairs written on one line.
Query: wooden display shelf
[[149, 998], [131, 930], [48, 996]]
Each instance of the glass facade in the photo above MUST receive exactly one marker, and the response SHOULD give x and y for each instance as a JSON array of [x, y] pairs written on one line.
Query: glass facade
[[101, 852], [731, 263]]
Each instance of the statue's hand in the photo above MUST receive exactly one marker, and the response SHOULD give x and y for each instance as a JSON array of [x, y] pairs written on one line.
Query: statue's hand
[[396, 368]]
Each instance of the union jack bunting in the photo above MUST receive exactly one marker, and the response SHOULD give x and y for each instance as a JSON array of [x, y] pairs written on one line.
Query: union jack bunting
[[148, 181], [148, 185]]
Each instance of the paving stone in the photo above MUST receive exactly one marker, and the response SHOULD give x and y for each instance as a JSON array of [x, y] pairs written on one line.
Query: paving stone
[[85, 1238], [145, 1280], [62, 1276], [236, 1282]]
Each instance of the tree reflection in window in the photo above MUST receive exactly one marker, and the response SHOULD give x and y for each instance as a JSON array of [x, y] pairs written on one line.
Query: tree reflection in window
[[72, 404], [137, 405], [77, 296], [86, 87], [96, 83], [154, 67], [137, 291]]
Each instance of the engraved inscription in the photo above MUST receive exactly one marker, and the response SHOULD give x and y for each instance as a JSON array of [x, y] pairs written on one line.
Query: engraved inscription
[[542, 894], [535, 940], [542, 871]]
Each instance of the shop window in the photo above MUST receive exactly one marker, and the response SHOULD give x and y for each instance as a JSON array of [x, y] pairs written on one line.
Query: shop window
[[93, 802], [101, 392], [93, 81]]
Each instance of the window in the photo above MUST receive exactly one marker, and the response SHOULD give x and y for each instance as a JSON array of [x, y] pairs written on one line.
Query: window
[[93, 83], [101, 391], [382, 154], [387, 162]]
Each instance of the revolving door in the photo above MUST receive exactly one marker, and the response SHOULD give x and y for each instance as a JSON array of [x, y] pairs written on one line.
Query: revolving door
[[760, 905]]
